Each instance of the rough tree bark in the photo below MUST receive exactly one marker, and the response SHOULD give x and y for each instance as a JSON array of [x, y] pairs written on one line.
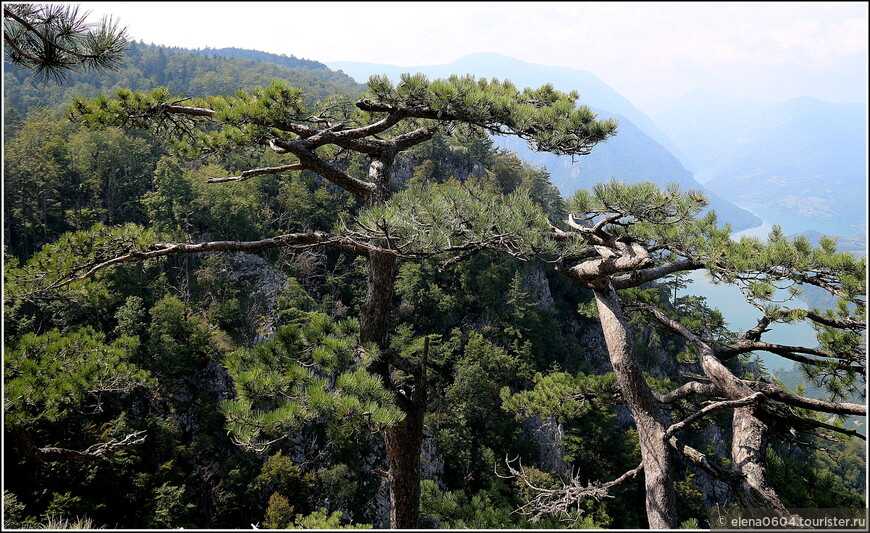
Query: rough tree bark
[[403, 441], [618, 258], [749, 458], [404, 444], [651, 420]]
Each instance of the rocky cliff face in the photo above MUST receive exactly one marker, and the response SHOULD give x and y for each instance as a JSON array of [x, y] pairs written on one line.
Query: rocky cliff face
[[265, 283], [548, 435]]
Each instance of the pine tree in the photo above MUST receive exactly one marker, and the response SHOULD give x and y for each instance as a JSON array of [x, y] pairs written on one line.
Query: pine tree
[[53, 39], [624, 236], [385, 122], [304, 373], [38, 387]]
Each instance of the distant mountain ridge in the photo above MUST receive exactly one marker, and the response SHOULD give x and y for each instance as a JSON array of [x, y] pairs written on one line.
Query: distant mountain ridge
[[805, 157], [593, 91], [280, 59], [194, 73], [640, 151]]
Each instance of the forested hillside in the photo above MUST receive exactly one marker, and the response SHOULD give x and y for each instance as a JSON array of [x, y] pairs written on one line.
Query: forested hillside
[[196, 72], [188, 331]]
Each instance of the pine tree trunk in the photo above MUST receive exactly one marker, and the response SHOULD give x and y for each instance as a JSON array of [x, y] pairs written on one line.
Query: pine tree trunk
[[650, 419], [749, 440], [378, 305], [749, 457], [403, 441]]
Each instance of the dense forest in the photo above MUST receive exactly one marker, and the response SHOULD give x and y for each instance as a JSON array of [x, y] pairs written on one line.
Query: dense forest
[[230, 386]]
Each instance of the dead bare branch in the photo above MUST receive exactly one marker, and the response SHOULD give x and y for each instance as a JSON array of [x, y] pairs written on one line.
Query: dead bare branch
[[565, 500]]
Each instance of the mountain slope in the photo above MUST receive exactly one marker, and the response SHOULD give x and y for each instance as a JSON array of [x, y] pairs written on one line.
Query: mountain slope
[[804, 157], [640, 151], [593, 91], [706, 126], [183, 71]]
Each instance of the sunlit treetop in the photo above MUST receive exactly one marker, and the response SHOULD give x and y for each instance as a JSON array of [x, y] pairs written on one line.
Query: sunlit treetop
[[385, 121]]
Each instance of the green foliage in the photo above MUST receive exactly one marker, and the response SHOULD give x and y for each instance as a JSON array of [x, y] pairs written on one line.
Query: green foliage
[[295, 304], [290, 490], [170, 509], [772, 272], [59, 177], [561, 396], [643, 201], [424, 300], [595, 446], [339, 483], [52, 376], [13, 511], [130, 317], [304, 372], [221, 211], [321, 520], [547, 118], [280, 475], [111, 164], [769, 272], [52, 40], [179, 343], [244, 116], [73, 256], [305, 202], [36, 182], [651, 214], [455, 510], [470, 423], [194, 72], [691, 523], [486, 509], [819, 478], [279, 513], [430, 219], [690, 501], [168, 203]]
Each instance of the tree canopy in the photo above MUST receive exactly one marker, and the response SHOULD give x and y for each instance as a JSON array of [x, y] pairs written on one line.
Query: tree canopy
[[299, 306]]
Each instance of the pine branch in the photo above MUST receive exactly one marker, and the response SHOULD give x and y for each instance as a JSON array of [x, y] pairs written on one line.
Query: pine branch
[[771, 391], [290, 240], [247, 174], [725, 404], [701, 461], [97, 452], [685, 390], [639, 277]]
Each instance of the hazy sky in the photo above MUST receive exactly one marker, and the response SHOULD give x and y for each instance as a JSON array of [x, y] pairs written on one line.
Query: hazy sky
[[650, 52]]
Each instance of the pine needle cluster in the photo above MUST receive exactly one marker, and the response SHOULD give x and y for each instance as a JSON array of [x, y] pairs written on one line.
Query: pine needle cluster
[[303, 374], [53, 39]]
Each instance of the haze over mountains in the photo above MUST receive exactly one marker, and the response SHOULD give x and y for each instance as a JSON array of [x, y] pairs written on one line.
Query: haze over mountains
[[801, 163], [804, 157], [639, 152]]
